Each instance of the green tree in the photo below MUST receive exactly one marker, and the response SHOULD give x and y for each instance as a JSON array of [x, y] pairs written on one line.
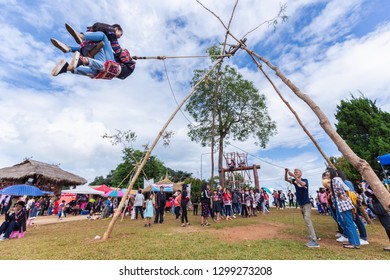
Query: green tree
[[241, 110], [100, 180], [350, 172], [178, 175], [366, 129], [196, 185], [154, 168]]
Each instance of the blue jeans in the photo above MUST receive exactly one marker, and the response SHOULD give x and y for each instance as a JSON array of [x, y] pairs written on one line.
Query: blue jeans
[[140, 210], [100, 36], [4, 226], [334, 216], [159, 214], [339, 220], [94, 67], [97, 37], [14, 225], [349, 228], [236, 208], [360, 225], [96, 64], [264, 207], [228, 209]]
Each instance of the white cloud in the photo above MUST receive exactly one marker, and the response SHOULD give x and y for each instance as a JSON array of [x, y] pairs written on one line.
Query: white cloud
[[334, 20]]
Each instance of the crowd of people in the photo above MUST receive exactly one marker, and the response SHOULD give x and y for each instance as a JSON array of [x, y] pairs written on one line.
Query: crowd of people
[[351, 207], [348, 205], [20, 212]]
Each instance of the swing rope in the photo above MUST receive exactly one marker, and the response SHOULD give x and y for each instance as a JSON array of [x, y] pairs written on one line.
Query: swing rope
[[161, 57]]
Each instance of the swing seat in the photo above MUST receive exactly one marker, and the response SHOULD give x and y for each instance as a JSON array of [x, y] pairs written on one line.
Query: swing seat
[[17, 233], [21, 234], [111, 70]]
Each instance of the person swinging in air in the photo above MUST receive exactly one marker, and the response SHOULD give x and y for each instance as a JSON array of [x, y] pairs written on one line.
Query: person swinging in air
[[99, 54]]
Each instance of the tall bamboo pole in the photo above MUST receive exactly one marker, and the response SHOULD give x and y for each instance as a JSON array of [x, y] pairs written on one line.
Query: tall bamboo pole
[[329, 163], [139, 168]]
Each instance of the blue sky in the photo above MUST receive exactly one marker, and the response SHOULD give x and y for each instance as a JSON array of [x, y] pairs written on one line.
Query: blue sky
[[329, 49]]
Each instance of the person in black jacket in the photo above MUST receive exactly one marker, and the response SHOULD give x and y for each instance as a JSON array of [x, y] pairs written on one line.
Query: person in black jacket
[[205, 201], [161, 200], [183, 205], [17, 221], [195, 203], [9, 217], [378, 209]]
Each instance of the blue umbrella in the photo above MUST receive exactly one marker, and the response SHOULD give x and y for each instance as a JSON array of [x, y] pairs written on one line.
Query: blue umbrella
[[267, 190], [47, 193], [19, 190], [114, 193]]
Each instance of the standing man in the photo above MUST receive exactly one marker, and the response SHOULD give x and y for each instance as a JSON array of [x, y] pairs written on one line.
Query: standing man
[[139, 204], [161, 200], [302, 197]]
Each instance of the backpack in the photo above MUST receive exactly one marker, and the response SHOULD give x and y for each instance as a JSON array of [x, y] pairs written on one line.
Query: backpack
[[111, 70]]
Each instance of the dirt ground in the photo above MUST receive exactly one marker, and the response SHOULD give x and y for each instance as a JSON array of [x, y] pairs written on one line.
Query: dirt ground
[[250, 232], [242, 233]]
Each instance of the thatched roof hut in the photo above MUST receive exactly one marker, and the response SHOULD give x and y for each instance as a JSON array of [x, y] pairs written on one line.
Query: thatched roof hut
[[42, 173], [165, 181]]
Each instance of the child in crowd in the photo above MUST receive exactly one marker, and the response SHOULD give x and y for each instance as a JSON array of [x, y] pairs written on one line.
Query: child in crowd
[[149, 209], [61, 210]]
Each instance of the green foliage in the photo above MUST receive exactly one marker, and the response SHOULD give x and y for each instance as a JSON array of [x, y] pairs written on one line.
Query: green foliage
[[153, 168], [196, 185], [178, 175], [241, 111], [365, 128], [350, 172]]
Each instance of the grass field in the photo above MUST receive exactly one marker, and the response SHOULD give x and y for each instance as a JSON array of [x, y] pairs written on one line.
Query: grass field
[[279, 236]]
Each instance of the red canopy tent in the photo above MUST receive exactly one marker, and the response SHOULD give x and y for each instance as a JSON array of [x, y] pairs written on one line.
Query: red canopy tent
[[68, 197], [104, 188]]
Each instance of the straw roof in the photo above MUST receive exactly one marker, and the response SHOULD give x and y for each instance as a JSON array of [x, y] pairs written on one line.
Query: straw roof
[[44, 172], [165, 181]]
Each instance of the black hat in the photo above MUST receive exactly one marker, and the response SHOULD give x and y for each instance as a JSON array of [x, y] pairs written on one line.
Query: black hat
[[20, 203]]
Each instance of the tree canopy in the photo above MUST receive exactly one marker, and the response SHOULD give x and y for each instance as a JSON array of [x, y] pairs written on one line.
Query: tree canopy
[[366, 129], [154, 168], [241, 110]]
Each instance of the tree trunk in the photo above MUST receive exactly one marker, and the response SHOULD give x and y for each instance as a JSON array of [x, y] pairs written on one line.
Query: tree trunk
[[220, 157], [213, 120], [361, 165], [148, 153]]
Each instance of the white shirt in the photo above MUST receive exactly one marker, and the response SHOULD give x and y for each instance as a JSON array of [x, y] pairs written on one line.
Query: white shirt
[[139, 199]]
